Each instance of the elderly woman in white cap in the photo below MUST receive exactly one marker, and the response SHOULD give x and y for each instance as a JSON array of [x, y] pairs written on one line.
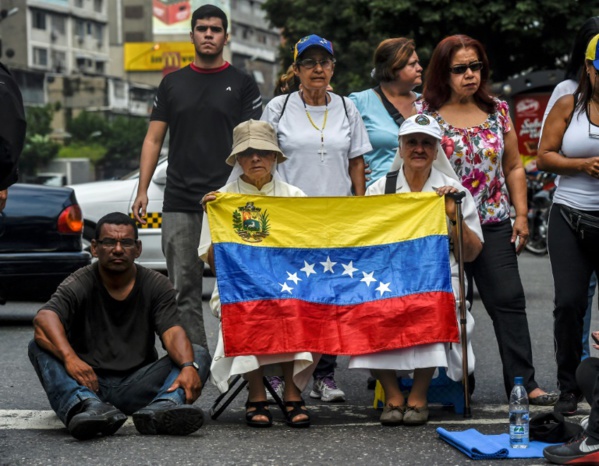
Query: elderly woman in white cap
[[254, 157], [421, 166]]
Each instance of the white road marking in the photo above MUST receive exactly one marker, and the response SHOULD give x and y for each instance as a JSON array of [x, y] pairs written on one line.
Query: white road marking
[[20, 419]]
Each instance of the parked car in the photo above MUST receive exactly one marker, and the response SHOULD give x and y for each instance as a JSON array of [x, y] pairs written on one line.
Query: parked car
[[102, 197], [40, 241]]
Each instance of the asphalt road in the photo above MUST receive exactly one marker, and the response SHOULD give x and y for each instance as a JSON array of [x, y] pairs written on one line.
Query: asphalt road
[[343, 433]]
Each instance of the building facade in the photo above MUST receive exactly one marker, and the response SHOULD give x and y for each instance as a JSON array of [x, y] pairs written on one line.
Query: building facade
[[74, 53]]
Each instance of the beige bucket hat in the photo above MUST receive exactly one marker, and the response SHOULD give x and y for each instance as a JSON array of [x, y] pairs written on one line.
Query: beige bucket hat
[[256, 135]]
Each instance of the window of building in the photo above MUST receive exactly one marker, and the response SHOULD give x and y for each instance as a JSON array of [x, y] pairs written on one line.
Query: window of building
[[58, 24], [79, 28], [100, 67], [59, 61], [90, 29], [39, 19], [80, 62], [119, 89], [245, 6], [135, 37], [79, 3], [99, 34], [98, 6], [134, 12], [40, 56]]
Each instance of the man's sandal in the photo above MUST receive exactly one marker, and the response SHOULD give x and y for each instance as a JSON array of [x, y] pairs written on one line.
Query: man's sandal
[[298, 408], [260, 409]]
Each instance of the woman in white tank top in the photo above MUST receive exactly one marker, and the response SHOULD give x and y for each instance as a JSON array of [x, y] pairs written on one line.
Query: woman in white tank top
[[570, 148]]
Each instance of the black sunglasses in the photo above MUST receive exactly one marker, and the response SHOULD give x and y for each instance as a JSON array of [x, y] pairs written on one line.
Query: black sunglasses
[[461, 69]]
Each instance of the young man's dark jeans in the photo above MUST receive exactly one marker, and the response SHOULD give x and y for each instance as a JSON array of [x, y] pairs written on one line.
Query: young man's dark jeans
[[127, 393]]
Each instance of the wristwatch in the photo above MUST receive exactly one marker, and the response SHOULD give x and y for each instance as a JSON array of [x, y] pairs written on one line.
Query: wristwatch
[[190, 363]]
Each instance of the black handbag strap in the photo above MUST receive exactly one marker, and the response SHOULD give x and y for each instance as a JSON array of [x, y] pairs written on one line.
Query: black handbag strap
[[391, 182], [393, 112]]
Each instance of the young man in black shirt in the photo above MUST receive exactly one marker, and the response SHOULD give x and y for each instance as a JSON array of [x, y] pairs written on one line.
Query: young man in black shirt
[[94, 345], [200, 105]]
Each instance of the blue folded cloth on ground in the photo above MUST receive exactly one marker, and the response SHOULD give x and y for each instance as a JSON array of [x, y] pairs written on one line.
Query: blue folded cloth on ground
[[486, 447]]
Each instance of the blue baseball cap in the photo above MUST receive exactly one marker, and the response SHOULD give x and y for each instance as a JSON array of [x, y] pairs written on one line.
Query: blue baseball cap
[[311, 41], [593, 51]]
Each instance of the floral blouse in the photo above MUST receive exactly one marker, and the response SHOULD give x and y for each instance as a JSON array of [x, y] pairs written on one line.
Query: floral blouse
[[476, 154]]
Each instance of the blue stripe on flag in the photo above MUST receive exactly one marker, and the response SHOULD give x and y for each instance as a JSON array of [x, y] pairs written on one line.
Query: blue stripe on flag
[[333, 275]]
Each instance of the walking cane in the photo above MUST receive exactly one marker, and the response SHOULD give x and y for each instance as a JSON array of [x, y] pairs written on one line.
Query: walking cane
[[457, 197]]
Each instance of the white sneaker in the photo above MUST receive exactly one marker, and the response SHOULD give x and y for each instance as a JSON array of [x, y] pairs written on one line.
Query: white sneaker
[[325, 388], [278, 386], [584, 422]]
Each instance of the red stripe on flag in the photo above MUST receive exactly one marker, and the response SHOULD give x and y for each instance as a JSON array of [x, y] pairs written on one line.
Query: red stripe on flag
[[291, 326]]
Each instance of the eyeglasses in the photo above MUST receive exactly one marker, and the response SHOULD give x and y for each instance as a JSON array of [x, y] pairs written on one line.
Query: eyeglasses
[[109, 243], [309, 63], [461, 69], [214, 29]]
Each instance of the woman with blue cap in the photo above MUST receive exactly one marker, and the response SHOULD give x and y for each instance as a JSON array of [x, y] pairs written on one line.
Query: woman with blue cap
[[324, 139]]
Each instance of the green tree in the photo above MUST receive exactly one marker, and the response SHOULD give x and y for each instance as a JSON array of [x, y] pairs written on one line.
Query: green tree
[[110, 144], [519, 35], [39, 149], [87, 127], [123, 142]]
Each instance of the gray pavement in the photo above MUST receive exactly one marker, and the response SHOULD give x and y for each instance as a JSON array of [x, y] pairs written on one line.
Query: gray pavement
[[344, 433]]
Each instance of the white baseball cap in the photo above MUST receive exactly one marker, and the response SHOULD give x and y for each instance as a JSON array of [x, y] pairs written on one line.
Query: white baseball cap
[[421, 124]]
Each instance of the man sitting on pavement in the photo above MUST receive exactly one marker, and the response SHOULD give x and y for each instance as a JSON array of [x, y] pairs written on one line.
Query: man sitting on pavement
[[94, 345]]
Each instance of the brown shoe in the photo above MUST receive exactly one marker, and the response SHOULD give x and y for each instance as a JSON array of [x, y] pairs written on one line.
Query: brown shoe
[[415, 416], [392, 415]]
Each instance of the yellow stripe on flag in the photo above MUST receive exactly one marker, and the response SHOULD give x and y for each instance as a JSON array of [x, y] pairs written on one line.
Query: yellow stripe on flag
[[308, 222]]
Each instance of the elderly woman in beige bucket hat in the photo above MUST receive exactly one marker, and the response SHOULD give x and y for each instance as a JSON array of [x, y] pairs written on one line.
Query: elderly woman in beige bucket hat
[[254, 157]]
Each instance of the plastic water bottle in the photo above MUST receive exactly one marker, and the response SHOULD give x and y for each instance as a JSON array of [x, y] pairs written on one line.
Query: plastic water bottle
[[518, 415]]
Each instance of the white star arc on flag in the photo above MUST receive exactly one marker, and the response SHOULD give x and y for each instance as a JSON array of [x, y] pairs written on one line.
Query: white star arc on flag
[[328, 265]]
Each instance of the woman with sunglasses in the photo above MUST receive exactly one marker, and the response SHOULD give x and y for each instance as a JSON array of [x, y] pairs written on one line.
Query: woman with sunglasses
[[397, 71], [482, 147], [570, 147]]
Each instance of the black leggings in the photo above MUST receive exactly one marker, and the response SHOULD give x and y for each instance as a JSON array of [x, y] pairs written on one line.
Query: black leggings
[[572, 263]]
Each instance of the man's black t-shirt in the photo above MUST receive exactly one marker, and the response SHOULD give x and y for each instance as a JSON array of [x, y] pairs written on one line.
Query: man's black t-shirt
[[112, 335], [201, 108]]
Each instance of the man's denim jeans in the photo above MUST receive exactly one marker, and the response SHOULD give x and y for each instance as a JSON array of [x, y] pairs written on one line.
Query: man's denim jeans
[[127, 393]]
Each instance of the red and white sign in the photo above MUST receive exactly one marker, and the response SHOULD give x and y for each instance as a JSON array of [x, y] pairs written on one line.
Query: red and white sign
[[529, 110]]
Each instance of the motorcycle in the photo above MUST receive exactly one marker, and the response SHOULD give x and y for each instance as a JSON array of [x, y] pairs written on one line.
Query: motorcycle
[[540, 189]]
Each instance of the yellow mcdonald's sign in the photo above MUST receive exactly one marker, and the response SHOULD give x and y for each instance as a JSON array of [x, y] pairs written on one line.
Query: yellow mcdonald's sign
[[155, 56]]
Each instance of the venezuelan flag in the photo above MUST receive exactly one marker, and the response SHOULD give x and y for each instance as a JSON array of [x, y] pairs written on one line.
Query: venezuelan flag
[[351, 275]]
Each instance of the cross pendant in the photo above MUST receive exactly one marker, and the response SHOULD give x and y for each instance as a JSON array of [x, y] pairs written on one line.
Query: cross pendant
[[322, 153]]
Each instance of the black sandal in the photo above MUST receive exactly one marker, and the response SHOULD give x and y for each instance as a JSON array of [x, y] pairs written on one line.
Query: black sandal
[[261, 409], [296, 411]]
